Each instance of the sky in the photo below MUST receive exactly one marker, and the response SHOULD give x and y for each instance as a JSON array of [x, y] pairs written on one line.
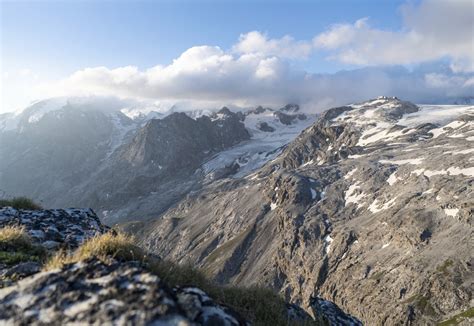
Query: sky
[[314, 53]]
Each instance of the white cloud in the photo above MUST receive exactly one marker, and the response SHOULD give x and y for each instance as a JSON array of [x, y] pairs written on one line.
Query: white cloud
[[17, 88], [285, 47], [432, 30], [259, 70], [212, 76]]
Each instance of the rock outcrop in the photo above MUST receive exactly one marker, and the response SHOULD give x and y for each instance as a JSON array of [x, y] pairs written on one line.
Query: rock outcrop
[[92, 292], [55, 228]]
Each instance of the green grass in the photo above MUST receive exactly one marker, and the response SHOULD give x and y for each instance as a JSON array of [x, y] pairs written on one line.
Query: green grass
[[260, 305], [20, 203], [13, 258], [455, 320]]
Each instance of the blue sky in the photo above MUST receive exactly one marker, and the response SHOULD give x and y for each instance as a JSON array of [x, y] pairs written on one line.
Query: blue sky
[[49, 41], [144, 33]]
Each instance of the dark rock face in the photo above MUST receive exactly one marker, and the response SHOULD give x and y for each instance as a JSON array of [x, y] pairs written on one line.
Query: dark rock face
[[292, 108], [55, 228], [120, 293], [161, 158], [179, 143], [284, 118], [263, 126]]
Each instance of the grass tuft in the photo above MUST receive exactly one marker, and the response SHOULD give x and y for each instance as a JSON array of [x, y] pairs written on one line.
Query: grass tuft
[[14, 237], [16, 246], [117, 245], [120, 246], [260, 305], [20, 203]]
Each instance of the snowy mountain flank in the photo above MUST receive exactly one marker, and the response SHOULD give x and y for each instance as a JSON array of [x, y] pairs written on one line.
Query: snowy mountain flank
[[368, 207], [90, 152]]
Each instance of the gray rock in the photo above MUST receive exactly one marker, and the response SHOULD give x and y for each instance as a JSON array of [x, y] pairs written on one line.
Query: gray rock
[[54, 228], [116, 293], [23, 269]]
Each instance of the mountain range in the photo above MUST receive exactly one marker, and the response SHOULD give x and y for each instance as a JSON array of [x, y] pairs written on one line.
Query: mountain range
[[368, 205]]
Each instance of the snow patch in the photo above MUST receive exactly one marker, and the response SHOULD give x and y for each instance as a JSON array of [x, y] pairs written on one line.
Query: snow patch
[[328, 240], [375, 206], [350, 173], [392, 179], [308, 163], [350, 195], [451, 211], [450, 171], [414, 161]]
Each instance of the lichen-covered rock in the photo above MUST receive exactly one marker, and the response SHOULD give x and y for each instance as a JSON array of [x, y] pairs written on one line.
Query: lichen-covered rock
[[55, 228], [93, 292]]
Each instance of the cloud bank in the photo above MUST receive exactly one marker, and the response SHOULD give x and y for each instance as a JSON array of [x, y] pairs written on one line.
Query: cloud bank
[[431, 31], [437, 37]]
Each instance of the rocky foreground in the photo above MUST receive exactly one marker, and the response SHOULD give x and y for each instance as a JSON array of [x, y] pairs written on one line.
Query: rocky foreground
[[94, 291]]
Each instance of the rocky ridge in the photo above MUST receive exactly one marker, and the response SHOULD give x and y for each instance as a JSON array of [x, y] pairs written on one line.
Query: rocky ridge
[[371, 208]]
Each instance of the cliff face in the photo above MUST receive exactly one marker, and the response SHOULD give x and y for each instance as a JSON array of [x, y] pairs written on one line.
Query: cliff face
[[371, 207]]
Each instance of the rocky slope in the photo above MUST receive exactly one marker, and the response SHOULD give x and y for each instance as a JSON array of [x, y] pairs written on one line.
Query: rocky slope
[[371, 207]]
